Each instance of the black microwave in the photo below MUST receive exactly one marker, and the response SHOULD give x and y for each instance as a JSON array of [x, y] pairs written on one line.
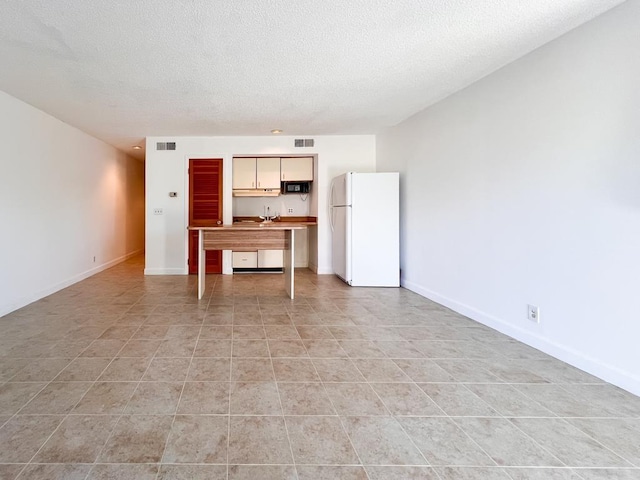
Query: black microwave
[[296, 187]]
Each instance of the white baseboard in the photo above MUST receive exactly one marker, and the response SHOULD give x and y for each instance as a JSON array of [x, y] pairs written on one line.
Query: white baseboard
[[324, 271], [5, 309], [166, 271], [608, 373]]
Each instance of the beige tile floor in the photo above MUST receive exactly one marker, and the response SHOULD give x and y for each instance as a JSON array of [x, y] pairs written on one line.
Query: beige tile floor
[[124, 376]]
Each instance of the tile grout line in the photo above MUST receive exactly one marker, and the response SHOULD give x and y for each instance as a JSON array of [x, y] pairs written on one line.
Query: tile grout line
[[229, 396], [284, 420], [344, 430], [124, 409], [452, 418], [396, 420], [94, 383], [565, 420], [184, 382], [402, 427], [75, 405]]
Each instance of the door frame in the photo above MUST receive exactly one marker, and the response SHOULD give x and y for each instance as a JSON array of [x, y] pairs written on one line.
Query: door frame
[[226, 204]]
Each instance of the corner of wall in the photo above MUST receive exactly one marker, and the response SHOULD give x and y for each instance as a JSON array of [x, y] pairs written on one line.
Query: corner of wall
[[32, 297], [624, 379]]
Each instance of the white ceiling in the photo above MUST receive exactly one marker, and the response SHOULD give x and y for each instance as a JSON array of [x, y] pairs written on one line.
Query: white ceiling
[[122, 70]]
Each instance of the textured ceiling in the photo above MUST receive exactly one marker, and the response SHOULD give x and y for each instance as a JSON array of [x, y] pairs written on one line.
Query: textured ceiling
[[122, 70]]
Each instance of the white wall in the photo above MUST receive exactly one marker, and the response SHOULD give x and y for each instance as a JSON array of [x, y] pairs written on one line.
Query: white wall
[[65, 197], [525, 189], [166, 171], [254, 206]]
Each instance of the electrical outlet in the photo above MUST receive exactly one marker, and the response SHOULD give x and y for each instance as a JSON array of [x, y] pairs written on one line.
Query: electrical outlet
[[157, 211], [289, 210], [533, 313]]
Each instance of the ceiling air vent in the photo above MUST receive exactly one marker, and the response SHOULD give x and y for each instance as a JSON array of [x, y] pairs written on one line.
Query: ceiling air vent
[[166, 146], [303, 142]]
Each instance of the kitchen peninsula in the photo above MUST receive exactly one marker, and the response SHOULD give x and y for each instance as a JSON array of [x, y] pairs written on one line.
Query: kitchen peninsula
[[250, 236]]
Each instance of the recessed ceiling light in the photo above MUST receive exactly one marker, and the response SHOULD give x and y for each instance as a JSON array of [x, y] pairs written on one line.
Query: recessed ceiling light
[[276, 130], [137, 147]]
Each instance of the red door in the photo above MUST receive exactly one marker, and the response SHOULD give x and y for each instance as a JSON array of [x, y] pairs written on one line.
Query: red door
[[205, 208]]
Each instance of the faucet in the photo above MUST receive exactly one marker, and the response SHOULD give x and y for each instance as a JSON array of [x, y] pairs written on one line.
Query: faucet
[[267, 217]]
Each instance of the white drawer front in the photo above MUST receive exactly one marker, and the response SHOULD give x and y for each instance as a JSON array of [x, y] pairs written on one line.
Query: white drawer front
[[270, 259], [245, 259]]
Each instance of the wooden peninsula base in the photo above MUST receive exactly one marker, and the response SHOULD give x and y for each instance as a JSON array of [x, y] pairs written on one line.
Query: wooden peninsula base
[[249, 238]]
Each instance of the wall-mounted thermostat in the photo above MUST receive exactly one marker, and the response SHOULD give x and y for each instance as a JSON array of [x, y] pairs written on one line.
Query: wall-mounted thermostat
[[173, 194]]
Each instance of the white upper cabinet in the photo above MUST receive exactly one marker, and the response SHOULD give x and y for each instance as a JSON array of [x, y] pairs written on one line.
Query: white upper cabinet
[[256, 173], [268, 172], [296, 169], [244, 173]]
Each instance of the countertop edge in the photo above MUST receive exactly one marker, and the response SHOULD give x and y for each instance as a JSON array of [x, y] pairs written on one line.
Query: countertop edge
[[256, 226]]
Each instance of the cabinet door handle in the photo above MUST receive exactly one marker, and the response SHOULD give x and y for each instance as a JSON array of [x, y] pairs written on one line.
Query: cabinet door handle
[[253, 184], [258, 184]]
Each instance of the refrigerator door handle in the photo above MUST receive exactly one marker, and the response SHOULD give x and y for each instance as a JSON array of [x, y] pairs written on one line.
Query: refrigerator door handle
[[333, 184], [331, 222], [331, 212]]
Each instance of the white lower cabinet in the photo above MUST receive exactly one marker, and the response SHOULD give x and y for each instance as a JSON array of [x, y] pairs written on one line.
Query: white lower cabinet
[[270, 259], [259, 259], [245, 259]]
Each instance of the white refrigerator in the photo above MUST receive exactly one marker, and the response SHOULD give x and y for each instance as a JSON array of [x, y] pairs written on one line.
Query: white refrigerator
[[365, 227]]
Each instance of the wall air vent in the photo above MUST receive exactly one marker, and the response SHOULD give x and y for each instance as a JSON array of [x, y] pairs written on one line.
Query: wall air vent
[[303, 142], [166, 146]]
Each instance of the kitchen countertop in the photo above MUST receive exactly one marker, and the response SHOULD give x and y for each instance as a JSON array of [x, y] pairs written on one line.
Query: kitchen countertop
[[256, 223], [300, 221], [255, 226]]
